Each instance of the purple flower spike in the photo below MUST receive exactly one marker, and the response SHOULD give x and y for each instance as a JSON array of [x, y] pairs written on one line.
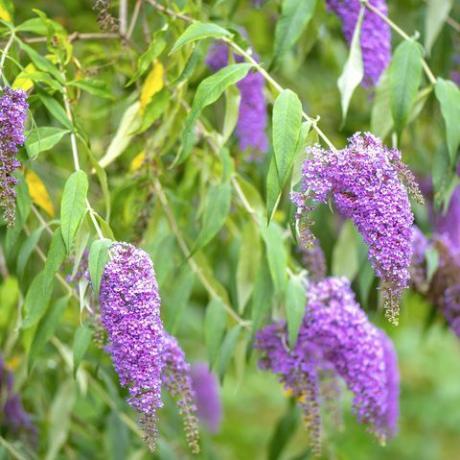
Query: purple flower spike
[[178, 381], [336, 338], [208, 403], [364, 182], [13, 114], [130, 312], [375, 35], [252, 117]]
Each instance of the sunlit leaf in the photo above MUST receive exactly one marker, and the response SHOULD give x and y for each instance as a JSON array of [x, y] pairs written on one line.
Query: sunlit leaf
[[39, 193]]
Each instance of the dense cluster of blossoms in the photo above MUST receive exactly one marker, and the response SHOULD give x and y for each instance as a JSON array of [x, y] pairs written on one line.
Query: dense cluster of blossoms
[[252, 116], [208, 403], [13, 417], [364, 181], [13, 114], [145, 357], [375, 35], [336, 338]]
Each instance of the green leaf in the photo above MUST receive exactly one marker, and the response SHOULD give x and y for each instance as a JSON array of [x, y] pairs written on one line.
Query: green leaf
[[42, 139], [216, 209], [248, 263], [176, 300], [276, 255], [60, 417], [345, 260], [98, 256], [190, 66], [41, 288], [284, 431], [232, 106], [41, 62], [437, 11], [209, 90], [432, 262], [47, 328], [381, 119], [227, 349], [37, 300], [200, 31], [56, 110], [262, 297], [296, 300], [215, 322], [154, 110], [94, 87], [116, 438], [405, 76], [295, 15], [130, 122], [146, 59], [27, 248], [81, 343], [273, 189], [73, 206], [353, 70], [448, 96], [287, 120]]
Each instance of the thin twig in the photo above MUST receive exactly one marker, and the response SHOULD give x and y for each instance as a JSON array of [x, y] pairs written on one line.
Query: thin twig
[[134, 17], [5, 52], [123, 16], [75, 36], [169, 12], [453, 23]]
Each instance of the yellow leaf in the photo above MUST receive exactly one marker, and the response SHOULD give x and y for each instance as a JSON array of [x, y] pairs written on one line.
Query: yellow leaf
[[137, 162], [23, 81], [38, 193], [4, 13], [153, 84]]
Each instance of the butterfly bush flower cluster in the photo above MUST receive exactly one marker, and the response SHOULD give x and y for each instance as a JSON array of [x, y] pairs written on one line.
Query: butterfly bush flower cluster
[[364, 182], [13, 417], [13, 114], [375, 35], [252, 116], [177, 380], [336, 337], [208, 403], [145, 357]]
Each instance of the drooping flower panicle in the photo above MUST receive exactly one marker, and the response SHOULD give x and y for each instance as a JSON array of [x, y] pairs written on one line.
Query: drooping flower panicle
[[252, 116], [208, 403], [13, 114], [375, 35], [336, 336], [364, 183], [177, 380], [130, 312]]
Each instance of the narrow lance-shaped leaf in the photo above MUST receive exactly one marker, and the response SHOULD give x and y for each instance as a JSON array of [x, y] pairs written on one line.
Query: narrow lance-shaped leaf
[[287, 120], [214, 327], [228, 348], [345, 261], [200, 31], [98, 256], [207, 93], [81, 343], [353, 70], [216, 210], [296, 300], [448, 96], [405, 76], [73, 206], [43, 139], [437, 11], [295, 15]]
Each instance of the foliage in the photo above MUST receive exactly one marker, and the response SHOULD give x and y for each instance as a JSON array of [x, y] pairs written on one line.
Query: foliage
[[130, 137]]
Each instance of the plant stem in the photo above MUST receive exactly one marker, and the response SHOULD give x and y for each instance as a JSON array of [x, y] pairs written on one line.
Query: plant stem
[[134, 17], [403, 34], [73, 142], [123, 17], [5, 53]]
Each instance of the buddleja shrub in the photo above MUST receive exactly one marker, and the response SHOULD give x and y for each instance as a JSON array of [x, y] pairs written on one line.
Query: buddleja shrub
[[163, 175]]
